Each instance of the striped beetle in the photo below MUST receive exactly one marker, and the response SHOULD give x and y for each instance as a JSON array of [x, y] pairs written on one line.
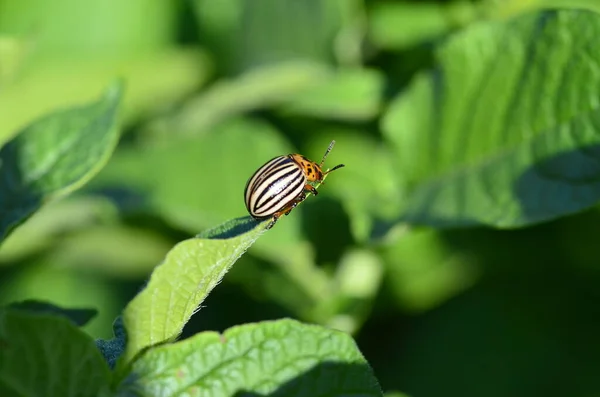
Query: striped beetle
[[283, 183]]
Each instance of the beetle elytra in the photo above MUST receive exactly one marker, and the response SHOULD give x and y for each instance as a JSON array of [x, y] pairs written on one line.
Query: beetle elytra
[[282, 183]]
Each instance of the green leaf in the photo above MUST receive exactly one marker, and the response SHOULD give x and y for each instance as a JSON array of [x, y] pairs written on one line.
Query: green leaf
[[245, 34], [511, 8], [398, 25], [505, 130], [54, 27], [349, 94], [154, 81], [254, 89], [180, 284], [46, 356], [54, 156], [278, 358], [12, 54], [79, 317]]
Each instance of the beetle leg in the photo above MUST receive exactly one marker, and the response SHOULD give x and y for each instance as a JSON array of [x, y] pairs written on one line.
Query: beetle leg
[[286, 210], [273, 221], [311, 189], [295, 203]]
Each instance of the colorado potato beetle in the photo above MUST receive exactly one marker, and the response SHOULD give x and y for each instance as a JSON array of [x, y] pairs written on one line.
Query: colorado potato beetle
[[282, 183]]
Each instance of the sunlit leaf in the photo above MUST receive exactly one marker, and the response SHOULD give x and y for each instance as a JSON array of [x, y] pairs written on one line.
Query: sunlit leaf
[[154, 81], [256, 89], [246, 34], [182, 281], [495, 135], [53, 27], [13, 50], [346, 95], [279, 358], [401, 24]]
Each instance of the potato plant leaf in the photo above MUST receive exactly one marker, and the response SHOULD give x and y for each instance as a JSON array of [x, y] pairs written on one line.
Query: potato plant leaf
[[44, 355], [178, 286], [505, 130], [353, 94], [399, 25], [245, 34], [55, 155], [275, 358], [255, 89]]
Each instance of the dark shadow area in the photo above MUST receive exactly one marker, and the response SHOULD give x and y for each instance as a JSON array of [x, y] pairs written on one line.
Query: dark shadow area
[[527, 328], [560, 185], [327, 227], [187, 32], [507, 337], [19, 198], [406, 65]]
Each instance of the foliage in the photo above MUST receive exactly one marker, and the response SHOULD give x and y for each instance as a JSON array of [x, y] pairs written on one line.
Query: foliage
[[454, 255]]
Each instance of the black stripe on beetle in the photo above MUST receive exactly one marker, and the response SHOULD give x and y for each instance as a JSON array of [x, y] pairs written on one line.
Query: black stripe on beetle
[[279, 201], [263, 180], [264, 172], [279, 184]]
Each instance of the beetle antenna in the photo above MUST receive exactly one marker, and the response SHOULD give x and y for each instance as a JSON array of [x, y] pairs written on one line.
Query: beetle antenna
[[326, 153], [334, 168]]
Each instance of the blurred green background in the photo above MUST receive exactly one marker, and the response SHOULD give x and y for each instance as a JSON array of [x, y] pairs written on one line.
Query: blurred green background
[[216, 88]]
